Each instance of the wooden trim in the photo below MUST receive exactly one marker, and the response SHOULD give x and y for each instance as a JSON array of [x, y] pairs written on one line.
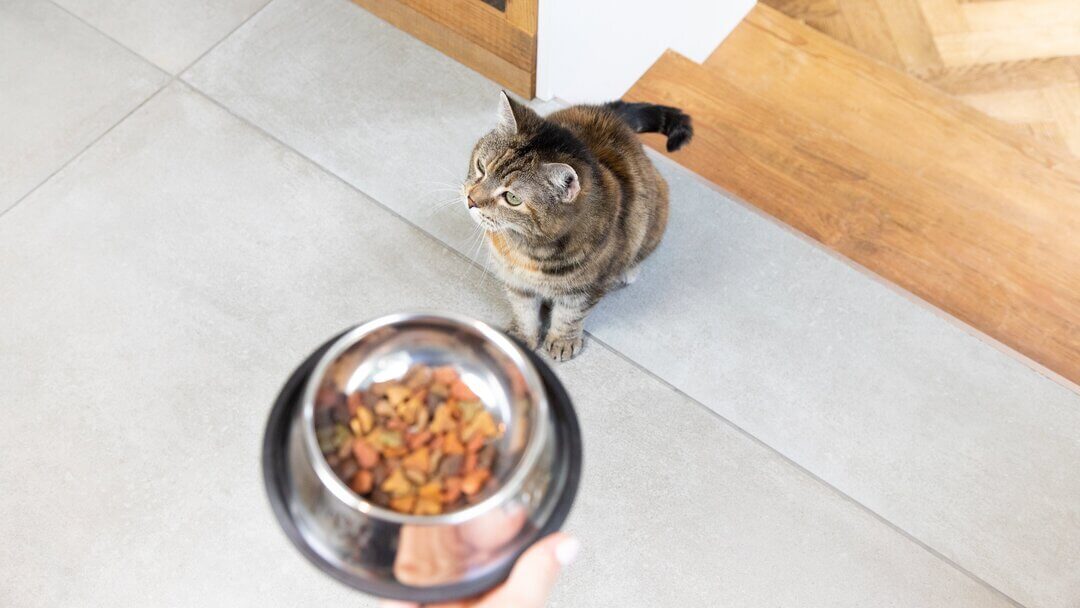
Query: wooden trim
[[464, 46], [523, 15], [483, 25]]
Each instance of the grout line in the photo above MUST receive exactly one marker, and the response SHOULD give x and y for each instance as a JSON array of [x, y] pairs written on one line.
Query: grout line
[[334, 175], [111, 39], [171, 79], [146, 59], [454, 251], [968, 329], [83, 150], [830, 487], [184, 70]]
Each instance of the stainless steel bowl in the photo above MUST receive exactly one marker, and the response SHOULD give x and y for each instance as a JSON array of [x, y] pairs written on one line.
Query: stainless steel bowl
[[425, 558]]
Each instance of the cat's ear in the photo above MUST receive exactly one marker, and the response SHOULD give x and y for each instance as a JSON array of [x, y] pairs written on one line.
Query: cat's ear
[[564, 179], [513, 117]]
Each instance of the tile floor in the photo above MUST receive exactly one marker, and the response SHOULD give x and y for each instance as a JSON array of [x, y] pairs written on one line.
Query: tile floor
[[785, 430]]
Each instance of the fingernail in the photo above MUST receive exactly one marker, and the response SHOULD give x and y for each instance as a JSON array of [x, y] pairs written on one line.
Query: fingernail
[[566, 552]]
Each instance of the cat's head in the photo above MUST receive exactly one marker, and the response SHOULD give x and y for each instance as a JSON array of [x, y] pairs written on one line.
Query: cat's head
[[522, 175]]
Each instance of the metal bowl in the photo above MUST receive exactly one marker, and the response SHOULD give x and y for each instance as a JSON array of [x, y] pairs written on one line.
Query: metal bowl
[[425, 558]]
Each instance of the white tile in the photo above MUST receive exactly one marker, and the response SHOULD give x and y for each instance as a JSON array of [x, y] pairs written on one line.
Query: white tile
[[679, 510], [962, 445], [161, 288], [953, 440], [61, 86], [371, 104], [169, 33]]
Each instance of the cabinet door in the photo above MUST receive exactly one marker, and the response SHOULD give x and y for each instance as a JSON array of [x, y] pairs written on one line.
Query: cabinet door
[[494, 37]]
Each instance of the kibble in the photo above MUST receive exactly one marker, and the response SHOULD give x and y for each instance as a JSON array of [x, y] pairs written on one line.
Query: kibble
[[424, 444]]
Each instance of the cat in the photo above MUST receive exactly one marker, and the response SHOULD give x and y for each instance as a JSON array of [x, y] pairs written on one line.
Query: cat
[[570, 205]]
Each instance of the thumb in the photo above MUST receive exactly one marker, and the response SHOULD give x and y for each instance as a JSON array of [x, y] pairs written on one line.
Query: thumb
[[535, 572]]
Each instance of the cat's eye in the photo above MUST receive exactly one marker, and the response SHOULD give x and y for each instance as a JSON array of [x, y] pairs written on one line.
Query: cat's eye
[[512, 198], [480, 167]]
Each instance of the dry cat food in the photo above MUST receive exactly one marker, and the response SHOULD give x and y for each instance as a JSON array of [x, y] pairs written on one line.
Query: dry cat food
[[423, 444]]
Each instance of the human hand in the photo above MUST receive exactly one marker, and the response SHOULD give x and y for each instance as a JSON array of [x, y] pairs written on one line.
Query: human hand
[[529, 583]]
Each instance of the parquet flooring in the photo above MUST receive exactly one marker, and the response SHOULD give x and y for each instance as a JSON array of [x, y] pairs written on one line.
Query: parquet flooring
[[1016, 60]]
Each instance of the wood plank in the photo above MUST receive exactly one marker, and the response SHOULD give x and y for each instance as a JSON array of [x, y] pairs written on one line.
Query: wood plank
[[523, 14], [943, 16], [994, 77], [1015, 105], [835, 26], [1063, 102], [1007, 14], [1047, 132], [959, 209], [1014, 44], [484, 25], [913, 39], [439, 36], [869, 32], [822, 15], [805, 10]]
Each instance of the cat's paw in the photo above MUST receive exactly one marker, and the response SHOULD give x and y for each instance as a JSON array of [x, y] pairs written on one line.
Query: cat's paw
[[563, 348], [626, 279], [531, 340]]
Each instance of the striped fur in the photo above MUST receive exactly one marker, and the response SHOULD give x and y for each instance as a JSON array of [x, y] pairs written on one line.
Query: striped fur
[[570, 205]]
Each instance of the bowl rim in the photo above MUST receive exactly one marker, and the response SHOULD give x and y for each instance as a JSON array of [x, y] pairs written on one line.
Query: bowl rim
[[515, 481], [281, 420]]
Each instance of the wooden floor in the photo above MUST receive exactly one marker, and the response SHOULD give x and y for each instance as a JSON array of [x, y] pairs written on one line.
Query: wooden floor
[[968, 214], [1016, 60]]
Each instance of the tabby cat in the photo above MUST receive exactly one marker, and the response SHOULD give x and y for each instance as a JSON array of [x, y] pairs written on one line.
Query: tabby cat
[[570, 206]]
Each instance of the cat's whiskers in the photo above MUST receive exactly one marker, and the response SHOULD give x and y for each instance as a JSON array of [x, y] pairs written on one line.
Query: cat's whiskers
[[454, 177], [466, 249], [458, 190], [483, 266], [444, 168], [480, 243], [458, 194], [473, 248], [444, 205], [443, 186]]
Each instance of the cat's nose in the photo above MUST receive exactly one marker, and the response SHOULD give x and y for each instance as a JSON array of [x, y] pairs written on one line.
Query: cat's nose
[[472, 203]]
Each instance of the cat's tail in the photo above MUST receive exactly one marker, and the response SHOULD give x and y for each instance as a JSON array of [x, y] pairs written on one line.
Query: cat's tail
[[653, 118]]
